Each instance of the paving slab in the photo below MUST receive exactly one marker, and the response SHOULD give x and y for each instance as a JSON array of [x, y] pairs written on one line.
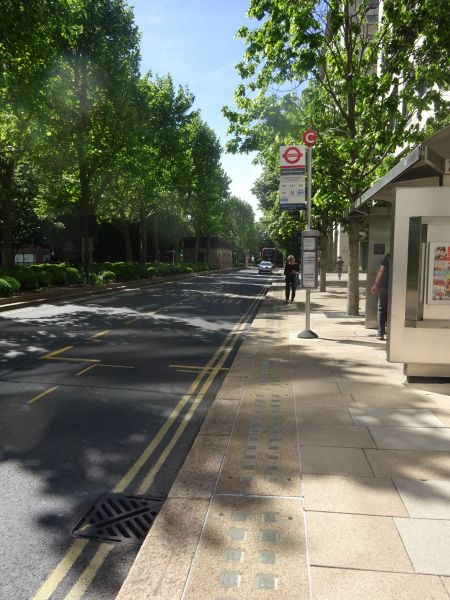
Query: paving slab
[[443, 414], [309, 415], [344, 436], [356, 542], [251, 548], [425, 499], [262, 456], [346, 584], [409, 464], [412, 438], [306, 388], [356, 495], [395, 417], [427, 543], [335, 461], [446, 582], [324, 401]]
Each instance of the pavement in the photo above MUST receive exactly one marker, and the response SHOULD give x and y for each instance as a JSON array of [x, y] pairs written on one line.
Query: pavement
[[319, 473]]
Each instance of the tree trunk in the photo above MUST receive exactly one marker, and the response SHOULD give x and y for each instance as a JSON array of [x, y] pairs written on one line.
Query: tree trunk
[[353, 267], [196, 247], [208, 250], [6, 181], [142, 235], [125, 228], [155, 238], [87, 212]]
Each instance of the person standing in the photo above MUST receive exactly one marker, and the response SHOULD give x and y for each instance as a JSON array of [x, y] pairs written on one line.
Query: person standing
[[339, 265], [290, 274], [380, 286]]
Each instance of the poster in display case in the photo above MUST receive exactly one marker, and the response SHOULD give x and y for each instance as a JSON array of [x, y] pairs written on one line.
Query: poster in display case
[[439, 273]]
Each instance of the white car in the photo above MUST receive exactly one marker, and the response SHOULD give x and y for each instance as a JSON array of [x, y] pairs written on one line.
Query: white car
[[265, 266]]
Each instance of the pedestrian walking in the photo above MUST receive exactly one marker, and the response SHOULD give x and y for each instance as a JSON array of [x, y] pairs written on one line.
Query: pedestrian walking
[[380, 286], [290, 273], [339, 265]]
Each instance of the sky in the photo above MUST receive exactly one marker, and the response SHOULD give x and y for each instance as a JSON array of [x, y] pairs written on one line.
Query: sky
[[195, 42]]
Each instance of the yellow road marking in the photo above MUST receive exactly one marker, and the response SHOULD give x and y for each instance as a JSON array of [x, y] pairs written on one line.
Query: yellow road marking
[[86, 370], [97, 335], [55, 352], [89, 360], [153, 312], [132, 320], [42, 394], [103, 365], [194, 367], [61, 570], [148, 480], [115, 366], [79, 588], [56, 577]]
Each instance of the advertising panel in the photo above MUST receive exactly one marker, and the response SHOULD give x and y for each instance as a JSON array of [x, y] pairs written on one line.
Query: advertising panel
[[439, 273]]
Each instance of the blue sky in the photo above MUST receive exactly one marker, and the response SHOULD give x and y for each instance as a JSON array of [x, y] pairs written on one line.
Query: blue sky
[[195, 42]]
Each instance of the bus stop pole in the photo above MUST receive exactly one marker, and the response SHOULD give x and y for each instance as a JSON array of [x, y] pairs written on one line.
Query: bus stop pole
[[308, 226], [307, 333]]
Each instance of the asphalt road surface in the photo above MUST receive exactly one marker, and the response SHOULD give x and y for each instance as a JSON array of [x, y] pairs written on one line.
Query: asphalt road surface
[[101, 396]]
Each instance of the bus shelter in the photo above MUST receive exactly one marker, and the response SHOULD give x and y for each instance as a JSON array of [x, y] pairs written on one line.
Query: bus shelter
[[408, 215]]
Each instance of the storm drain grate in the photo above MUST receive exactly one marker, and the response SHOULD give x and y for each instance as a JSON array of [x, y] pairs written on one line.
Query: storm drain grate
[[118, 518]]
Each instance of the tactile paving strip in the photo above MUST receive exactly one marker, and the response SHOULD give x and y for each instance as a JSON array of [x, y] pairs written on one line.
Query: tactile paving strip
[[250, 547]]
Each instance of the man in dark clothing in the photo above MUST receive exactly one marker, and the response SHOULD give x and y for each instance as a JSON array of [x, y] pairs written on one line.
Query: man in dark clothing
[[380, 285], [290, 274]]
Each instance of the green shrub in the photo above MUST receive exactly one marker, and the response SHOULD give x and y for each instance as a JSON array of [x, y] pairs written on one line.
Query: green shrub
[[43, 279], [57, 274], [141, 270], [124, 271], [73, 275], [164, 269], [95, 279], [152, 271], [5, 288], [100, 267], [27, 278], [13, 282], [108, 276]]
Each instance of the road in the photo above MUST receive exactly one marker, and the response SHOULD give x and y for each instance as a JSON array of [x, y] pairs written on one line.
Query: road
[[102, 396]]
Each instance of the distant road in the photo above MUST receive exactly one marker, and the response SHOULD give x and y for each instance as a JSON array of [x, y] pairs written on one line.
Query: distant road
[[98, 396]]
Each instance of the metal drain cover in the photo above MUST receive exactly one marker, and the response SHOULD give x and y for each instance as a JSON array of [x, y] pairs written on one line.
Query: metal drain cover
[[118, 518]]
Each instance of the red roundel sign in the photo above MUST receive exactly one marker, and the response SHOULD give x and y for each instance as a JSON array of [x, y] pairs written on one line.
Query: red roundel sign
[[292, 155], [309, 137]]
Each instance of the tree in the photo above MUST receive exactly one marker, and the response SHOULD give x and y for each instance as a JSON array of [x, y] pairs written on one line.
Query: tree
[[206, 183], [368, 113], [28, 33], [145, 174], [238, 226], [89, 94]]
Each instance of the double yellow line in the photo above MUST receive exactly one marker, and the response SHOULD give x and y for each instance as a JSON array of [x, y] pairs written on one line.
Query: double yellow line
[[208, 372]]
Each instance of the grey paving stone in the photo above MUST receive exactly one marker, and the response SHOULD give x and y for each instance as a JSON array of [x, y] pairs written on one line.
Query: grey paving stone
[[425, 499], [356, 542], [334, 461], [396, 417], [412, 438], [347, 584], [357, 495], [427, 543]]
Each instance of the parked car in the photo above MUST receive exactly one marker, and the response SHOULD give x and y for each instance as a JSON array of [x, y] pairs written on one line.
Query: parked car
[[265, 266]]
